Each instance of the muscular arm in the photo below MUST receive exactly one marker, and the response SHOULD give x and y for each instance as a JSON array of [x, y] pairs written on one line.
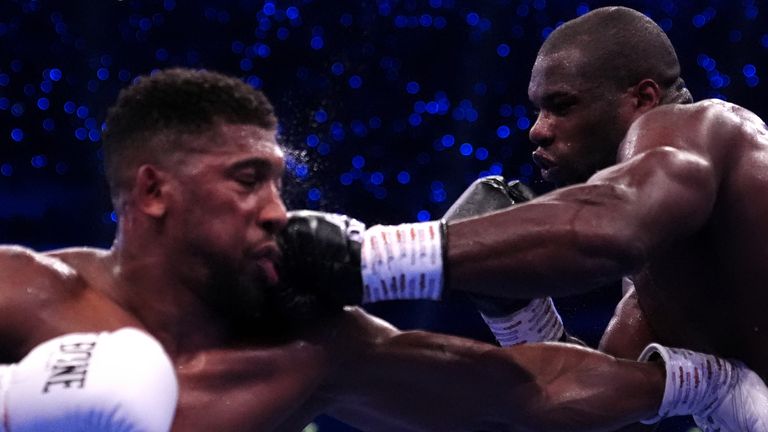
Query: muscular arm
[[578, 238], [418, 381]]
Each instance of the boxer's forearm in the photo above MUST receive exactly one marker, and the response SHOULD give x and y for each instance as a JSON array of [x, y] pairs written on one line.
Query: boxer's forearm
[[556, 245], [424, 381]]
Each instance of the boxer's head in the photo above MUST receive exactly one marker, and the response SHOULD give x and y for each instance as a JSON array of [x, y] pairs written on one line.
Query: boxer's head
[[592, 78], [192, 157]]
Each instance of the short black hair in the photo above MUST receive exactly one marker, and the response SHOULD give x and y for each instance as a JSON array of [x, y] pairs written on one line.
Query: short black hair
[[174, 102], [623, 47]]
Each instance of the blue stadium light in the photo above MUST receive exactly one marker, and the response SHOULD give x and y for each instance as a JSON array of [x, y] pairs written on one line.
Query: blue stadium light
[[337, 68], [355, 81], [39, 161], [473, 18], [749, 70], [292, 12], [246, 64], [17, 109], [523, 123], [448, 140], [317, 43], [481, 153], [17, 134], [55, 74], [314, 194], [414, 119], [6, 169], [43, 103], [503, 131], [313, 140], [102, 74], [61, 168], [358, 162], [403, 177], [321, 116], [254, 81], [346, 179], [412, 87], [49, 125], [377, 178], [466, 149], [423, 215], [161, 54], [503, 50]]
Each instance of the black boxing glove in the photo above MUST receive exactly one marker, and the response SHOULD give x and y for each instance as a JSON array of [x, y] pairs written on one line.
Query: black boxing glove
[[321, 255], [511, 321], [327, 252]]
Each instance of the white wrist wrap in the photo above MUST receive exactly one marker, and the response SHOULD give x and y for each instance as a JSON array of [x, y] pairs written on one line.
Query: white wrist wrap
[[99, 382], [695, 382], [536, 322], [401, 262]]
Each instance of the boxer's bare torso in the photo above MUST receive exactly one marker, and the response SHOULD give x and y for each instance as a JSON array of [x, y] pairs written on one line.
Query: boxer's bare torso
[[705, 290]]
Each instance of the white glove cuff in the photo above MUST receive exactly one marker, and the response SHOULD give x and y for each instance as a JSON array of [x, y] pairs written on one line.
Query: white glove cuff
[[695, 381], [536, 322], [402, 262]]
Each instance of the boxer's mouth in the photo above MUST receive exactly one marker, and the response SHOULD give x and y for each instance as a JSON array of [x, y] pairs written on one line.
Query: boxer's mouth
[[549, 168]]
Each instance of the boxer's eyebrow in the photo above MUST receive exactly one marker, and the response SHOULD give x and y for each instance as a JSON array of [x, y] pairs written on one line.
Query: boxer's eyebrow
[[258, 165]]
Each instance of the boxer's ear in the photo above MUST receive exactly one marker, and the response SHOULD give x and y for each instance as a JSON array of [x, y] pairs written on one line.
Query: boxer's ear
[[647, 95], [151, 190]]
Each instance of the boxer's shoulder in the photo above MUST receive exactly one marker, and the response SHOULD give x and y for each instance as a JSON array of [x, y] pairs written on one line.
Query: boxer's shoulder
[[30, 278]]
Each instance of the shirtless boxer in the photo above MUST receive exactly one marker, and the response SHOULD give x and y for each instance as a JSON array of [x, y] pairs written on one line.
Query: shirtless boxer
[[195, 173], [666, 195]]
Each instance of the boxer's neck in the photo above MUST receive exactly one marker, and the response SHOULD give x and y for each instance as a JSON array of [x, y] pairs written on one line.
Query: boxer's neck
[[162, 291]]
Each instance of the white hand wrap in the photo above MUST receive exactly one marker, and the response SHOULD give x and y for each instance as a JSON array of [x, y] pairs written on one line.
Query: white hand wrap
[[121, 381], [536, 322], [402, 262], [723, 395]]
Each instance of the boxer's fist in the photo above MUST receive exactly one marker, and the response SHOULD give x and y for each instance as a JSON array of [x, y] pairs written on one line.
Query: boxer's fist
[[100, 382], [321, 255], [744, 408], [512, 321], [723, 395]]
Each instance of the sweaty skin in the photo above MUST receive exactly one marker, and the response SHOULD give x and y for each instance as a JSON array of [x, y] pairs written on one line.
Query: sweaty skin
[[354, 367], [679, 214], [207, 224]]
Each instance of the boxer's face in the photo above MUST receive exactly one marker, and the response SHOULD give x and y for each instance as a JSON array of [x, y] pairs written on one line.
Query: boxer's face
[[229, 207], [580, 122]]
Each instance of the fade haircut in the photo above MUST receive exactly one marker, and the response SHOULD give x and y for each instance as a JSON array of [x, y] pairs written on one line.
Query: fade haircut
[[622, 47], [151, 116]]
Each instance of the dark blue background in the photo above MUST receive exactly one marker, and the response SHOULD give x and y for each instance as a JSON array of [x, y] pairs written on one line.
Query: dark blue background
[[390, 108]]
